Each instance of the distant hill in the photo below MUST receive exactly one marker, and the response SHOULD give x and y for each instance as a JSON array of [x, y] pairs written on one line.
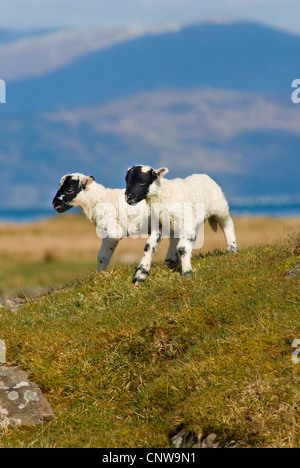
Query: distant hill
[[249, 144], [8, 36], [206, 98], [243, 57], [28, 57]]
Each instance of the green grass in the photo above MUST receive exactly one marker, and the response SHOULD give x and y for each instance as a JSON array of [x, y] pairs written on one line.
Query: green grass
[[28, 278], [126, 366]]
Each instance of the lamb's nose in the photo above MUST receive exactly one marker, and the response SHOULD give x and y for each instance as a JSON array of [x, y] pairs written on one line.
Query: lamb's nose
[[55, 204]]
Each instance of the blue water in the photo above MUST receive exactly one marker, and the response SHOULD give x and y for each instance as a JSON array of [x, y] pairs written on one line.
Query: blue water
[[275, 211], [282, 211], [25, 216]]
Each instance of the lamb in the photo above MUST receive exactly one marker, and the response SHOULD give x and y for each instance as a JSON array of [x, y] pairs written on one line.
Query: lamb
[[146, 183], [106, 208]]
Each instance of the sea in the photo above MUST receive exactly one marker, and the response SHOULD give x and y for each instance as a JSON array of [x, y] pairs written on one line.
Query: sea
[[24, 216]]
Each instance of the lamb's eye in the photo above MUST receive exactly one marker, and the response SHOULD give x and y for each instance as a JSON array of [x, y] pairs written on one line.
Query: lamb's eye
[[69, 191], [142, 184]]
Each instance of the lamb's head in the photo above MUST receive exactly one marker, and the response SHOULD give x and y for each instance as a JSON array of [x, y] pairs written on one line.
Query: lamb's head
[[70, 189], [140, 181]]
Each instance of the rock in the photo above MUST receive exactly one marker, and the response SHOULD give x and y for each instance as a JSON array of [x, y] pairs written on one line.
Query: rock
[[188, 439], [233, 444], [210, 441], [184, 439], [21, 401], [293, 272], [2, 352], [12, 304]]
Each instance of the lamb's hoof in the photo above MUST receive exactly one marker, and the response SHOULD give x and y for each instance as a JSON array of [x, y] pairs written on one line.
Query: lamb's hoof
[[141, 275], [138, 280], [188, 273], [233, 249]]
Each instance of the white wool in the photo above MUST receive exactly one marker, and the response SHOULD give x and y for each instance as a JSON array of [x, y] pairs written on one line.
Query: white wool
[[94, 201], [194, 190], [113, 217], [197, 188]]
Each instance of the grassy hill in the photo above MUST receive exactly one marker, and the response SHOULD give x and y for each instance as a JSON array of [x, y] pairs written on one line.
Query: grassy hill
[[126, 366]]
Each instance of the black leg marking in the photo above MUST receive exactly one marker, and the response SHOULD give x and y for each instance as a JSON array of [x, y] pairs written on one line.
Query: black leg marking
[[142, 270], [141, 274], [233, 248], [181, 251], [188, 273]]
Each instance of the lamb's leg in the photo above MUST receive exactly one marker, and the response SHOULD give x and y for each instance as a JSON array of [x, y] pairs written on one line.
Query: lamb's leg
[[172, 256], [142, 271], [184, 251], [228, 229], [106, 252]]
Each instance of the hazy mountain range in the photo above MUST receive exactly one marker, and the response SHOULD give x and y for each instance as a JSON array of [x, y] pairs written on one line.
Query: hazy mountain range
[[212, 98]]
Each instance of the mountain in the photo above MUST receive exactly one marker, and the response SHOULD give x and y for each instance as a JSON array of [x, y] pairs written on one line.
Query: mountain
[[8, 36], [242, 57], [26, 57], [212, 98]]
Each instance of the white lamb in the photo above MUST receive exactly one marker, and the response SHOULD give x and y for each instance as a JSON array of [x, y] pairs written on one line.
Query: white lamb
[[146, 183], [105, 207]]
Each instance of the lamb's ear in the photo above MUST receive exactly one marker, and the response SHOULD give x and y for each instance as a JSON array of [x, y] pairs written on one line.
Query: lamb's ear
[[86, 180], [162, 171]]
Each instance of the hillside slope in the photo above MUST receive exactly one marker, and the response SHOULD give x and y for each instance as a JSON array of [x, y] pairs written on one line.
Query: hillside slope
[[126, 366]]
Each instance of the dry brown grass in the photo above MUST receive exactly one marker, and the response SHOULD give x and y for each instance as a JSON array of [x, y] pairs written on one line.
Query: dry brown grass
[[72, 237], [64, 248]]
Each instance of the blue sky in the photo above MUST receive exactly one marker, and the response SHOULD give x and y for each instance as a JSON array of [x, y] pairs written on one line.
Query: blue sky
[[283, 14]]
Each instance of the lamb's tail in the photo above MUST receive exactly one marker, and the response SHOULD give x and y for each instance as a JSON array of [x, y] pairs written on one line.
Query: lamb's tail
[[213, 222]]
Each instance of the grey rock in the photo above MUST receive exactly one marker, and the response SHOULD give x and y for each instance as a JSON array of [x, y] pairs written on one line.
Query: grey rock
[[233, 444], [184, 439], [210, 441], [21, 401], [12, 304], [188, 439], [2, 352], [177, 441], [293, 272]]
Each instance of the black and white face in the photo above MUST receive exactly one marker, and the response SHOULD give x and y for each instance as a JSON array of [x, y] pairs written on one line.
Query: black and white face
[[138, 181], [69, 188]]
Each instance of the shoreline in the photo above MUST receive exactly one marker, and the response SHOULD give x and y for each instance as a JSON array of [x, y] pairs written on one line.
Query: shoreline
[[26, 216]]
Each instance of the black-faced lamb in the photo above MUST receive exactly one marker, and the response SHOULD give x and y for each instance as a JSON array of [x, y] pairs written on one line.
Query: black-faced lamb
[[106, 208], [146, 183]]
